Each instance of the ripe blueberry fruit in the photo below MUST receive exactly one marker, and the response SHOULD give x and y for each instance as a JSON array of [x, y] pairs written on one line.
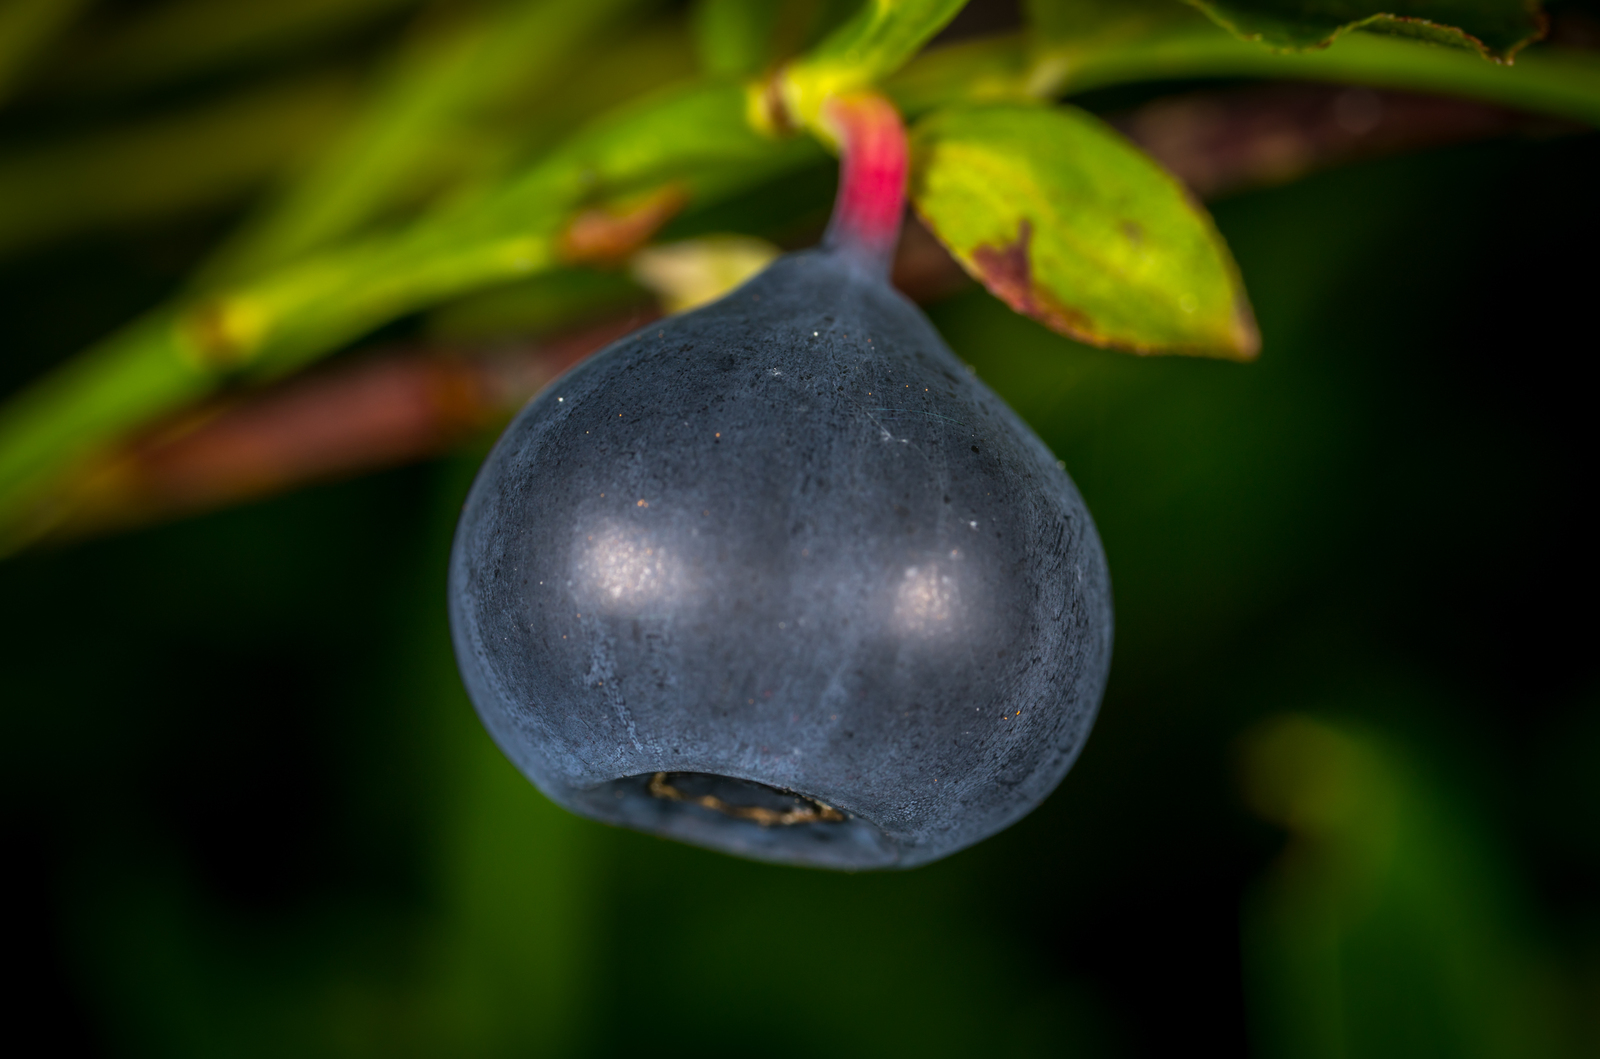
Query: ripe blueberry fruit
[[780, 578]]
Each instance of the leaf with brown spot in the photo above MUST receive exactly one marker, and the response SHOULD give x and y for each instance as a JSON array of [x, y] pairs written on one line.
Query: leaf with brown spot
[[1008, 273], [1066, 222]]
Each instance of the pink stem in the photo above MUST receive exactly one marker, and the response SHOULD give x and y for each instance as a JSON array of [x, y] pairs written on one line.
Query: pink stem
[[872, 180]]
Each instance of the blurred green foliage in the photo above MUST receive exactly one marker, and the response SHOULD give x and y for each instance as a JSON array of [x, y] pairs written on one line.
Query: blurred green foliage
[[27, 28], [327, 261], [200, 157], [1390, 925], [438, 89], [1343, 796]]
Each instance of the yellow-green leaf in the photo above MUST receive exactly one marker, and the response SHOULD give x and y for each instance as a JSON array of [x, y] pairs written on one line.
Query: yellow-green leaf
[[1067, 222]]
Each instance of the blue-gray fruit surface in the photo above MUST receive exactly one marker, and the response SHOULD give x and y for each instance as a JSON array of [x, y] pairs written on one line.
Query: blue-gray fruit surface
[[779, 577]]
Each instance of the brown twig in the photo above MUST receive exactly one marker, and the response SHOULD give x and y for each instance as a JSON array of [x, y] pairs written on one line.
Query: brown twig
[[381, 411], [388, 408], [1223, 142]]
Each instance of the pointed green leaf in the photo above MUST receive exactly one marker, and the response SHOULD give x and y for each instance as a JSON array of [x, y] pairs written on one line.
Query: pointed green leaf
[[1067, 222], [1497, 29]]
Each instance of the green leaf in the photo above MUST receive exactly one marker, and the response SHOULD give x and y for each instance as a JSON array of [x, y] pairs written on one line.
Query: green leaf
[[882, 36], [1081, 45], [438, 84], [1065, 221], [1560, 81], [692, 144], [1497, 29]]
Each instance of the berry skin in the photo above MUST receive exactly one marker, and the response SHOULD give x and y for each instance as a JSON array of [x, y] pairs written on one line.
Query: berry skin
[[779, 577]]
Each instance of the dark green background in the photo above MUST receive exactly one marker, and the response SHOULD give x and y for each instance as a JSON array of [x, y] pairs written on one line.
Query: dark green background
[[248, 810]]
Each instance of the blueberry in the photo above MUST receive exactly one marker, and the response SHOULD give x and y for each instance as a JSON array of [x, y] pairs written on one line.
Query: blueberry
[[780, 578]]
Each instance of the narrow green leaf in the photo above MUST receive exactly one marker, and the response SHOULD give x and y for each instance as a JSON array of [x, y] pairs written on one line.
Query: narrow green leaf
[[1561, 81], [1497, 29], [882, 36], [692, 143], [1067, 222], [443, 80]]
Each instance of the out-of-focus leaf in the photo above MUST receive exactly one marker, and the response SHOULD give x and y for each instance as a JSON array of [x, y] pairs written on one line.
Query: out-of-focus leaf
[[27, 28], [696, 133], [733, 38], [1067, 222], [637, 58], [687, 145], [553, 301], [688, 274], [986, 70], [1095, 43], [201, 158], [1497, 29], [475, 157], [1062, 35], [881, 37], [183, 38], [1389, 927], [448, 73], [1562, 82], [210, 155]]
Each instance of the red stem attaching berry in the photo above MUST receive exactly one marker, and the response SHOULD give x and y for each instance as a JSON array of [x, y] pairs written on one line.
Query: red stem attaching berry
[[872, 179]]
